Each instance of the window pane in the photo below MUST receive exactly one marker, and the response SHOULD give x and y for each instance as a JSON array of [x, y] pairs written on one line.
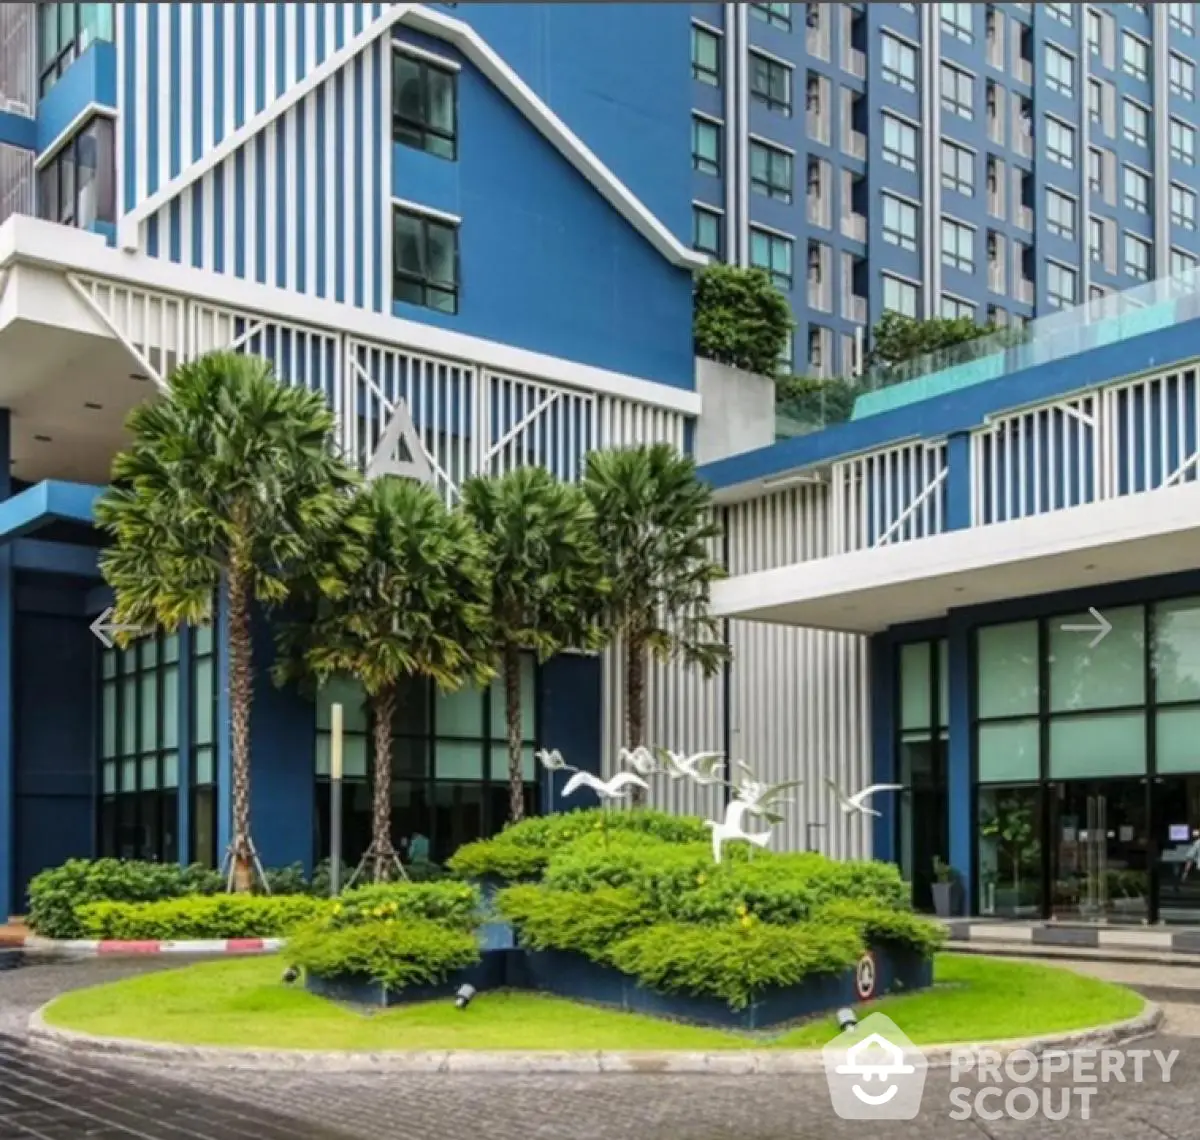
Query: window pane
[[109, 715], [355, 756], [442, 244], [1008, 751], [914, 685], [528, 699], [441, 100], [347, 692], [170, 708], [170, 769], [129, 716], [1008, 670], [943, 648], [499, 758], [202, 639], [460, 713], [1177, 650], [170, 649], [109, 784], [1179, 740], [149, 712], [459, 761], [1111, 674], [406, 87], [1111, 744], [129, 775], [202, 768], [147, 650], [149, 773], [1010, 851], [203, 701]]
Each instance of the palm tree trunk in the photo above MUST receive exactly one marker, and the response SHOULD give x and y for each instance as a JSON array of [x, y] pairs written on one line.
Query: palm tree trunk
[[241, 691], [635, 701], [383, 708], [512, 715]]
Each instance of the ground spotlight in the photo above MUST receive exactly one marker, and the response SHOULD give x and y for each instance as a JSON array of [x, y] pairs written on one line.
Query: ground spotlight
[[846, 1019], [290, 975], [462, 999]]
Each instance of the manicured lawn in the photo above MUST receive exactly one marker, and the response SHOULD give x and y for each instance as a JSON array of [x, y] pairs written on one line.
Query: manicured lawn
[[241, 1001]]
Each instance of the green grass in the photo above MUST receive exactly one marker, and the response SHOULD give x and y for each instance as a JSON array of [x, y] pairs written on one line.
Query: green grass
[[241, 1002]]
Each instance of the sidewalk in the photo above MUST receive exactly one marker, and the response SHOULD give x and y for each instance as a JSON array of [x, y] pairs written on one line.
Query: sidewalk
[[1162, 944], [13, 934]]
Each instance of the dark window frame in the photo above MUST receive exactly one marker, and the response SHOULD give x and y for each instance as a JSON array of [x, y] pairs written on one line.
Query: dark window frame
[[697, 213], [780, 191], [422, 280], [417, 133], [69, 214], [765, 96], [710, 77]]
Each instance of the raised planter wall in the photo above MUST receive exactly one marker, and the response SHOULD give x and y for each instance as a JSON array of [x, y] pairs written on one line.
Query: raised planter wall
[[883, 970]]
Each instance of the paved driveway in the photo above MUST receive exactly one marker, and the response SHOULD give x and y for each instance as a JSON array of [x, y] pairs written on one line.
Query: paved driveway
[[54, 1100]]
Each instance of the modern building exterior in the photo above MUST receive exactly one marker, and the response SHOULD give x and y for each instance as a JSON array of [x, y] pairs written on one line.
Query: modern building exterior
[[1015, 543], [996, 161], [433, 209]]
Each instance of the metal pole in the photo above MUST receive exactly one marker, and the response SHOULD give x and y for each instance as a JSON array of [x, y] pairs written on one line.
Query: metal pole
[[335, 800]]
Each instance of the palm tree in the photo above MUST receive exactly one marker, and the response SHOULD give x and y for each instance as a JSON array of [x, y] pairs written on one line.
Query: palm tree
[[231, 478], [413, 604], [655, 526], [547, 581]]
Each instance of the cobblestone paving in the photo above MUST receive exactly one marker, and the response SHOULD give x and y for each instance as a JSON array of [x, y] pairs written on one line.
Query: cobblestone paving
[[548, 1107]]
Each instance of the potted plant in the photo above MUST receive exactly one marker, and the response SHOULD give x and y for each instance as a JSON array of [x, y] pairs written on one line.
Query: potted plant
[[943, 888]]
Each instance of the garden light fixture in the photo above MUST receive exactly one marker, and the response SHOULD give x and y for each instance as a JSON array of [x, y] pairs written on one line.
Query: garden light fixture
[[462, 999]]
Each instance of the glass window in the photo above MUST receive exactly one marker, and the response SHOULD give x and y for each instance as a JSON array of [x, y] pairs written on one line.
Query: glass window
[[424, 106], [958, 91], [528, 703], [1110, 675], [65, 31], [1182, 262], [958, 168], [1178, 738], [1060, 142], [771, 83], [1176, 650], [958, 245], [425, 261], [1105, 744], [706, 146], [1137, 190], [772, 252], [706, 56], [899, 222], [1062, 285], [458, 760], [1136, 122], [1181, 75], [1060, 214], [771, 171], [955, 308], [706, 231], [1183, 206], [777, 15], [1137, 258], [1010, 851], [899, 62], [899, 296], [1182, 17], [1009, 750], [899, 142], [499, 760], [1135, 56], [1007, 663], [1060, 71], [916, 698], [958, 21], [1183, 142], [459, 713]]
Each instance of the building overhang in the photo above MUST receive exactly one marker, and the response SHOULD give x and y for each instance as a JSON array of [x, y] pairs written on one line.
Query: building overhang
[[44, 503], [867, 591]]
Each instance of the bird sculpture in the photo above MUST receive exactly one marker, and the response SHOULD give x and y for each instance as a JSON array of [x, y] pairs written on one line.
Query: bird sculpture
[[703, 768], [615, 788], [762, 799], [551, 760], [732, 827], [640, 759], [858, 801]]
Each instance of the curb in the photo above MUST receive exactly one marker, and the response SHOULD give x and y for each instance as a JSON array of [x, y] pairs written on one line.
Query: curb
[[726, 1063], [53, 948]]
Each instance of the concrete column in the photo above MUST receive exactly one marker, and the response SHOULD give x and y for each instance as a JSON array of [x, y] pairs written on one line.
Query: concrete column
[[958, 481], [183, 713], [882, 655], [962, 854]]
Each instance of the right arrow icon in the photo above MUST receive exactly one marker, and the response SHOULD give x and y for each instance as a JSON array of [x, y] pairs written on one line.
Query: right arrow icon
[[1100, 627]]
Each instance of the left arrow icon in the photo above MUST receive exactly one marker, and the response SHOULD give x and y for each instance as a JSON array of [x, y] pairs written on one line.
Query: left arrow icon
[[102, 627]]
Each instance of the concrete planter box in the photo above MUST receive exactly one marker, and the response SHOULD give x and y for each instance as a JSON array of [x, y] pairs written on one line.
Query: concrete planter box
[[564, 974]]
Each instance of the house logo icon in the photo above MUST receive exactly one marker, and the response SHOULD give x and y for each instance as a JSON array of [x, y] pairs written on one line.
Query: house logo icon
[[874, 1072]]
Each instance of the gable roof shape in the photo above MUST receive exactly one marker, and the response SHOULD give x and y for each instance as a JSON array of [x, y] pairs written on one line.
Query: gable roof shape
[[475, 48]]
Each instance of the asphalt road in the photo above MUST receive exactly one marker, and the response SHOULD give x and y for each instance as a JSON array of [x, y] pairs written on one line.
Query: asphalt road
[[51, 1099]]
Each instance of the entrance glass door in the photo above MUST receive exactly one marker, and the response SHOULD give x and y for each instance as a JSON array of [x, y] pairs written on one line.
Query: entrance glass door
[[1101, 845]]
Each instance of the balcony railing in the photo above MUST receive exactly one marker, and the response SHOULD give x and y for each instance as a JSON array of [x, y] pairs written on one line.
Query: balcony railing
[[1022, 70], [817, 123], [818, 210], [855, 62], [1023, 142], [819, 294], [817, 39], [17, 53], [1024, 217], [854, 143], [16, 181], [996, 277], [1024, 290], [854, 226]]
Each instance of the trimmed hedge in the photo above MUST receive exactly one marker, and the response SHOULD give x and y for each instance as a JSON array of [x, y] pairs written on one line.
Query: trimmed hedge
[[396, 954], [453, 904], [199, 916]]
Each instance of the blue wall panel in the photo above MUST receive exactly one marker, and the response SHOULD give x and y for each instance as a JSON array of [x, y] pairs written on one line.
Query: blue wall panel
[[92, 78], [18, 130], [571, 709]]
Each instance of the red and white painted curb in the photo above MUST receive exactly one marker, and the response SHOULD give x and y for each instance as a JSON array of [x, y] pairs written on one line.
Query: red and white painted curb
[[76, 948]]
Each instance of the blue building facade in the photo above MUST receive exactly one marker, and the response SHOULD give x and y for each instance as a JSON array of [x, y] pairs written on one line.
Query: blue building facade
[[881, 157], [473, 216]]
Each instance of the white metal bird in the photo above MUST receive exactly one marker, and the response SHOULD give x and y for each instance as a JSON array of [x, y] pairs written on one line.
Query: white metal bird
[[732, 827], [858, 801], [702, 768], [551, 760], [760, 798], [616, 788], [640, 759]]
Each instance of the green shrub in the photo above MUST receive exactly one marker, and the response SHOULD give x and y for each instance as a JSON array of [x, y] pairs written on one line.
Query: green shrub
[[198, 916], [55, 895], [398, 954], [451, 903], [733, 962], [567, 920], [878, 925], [499, 859]]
